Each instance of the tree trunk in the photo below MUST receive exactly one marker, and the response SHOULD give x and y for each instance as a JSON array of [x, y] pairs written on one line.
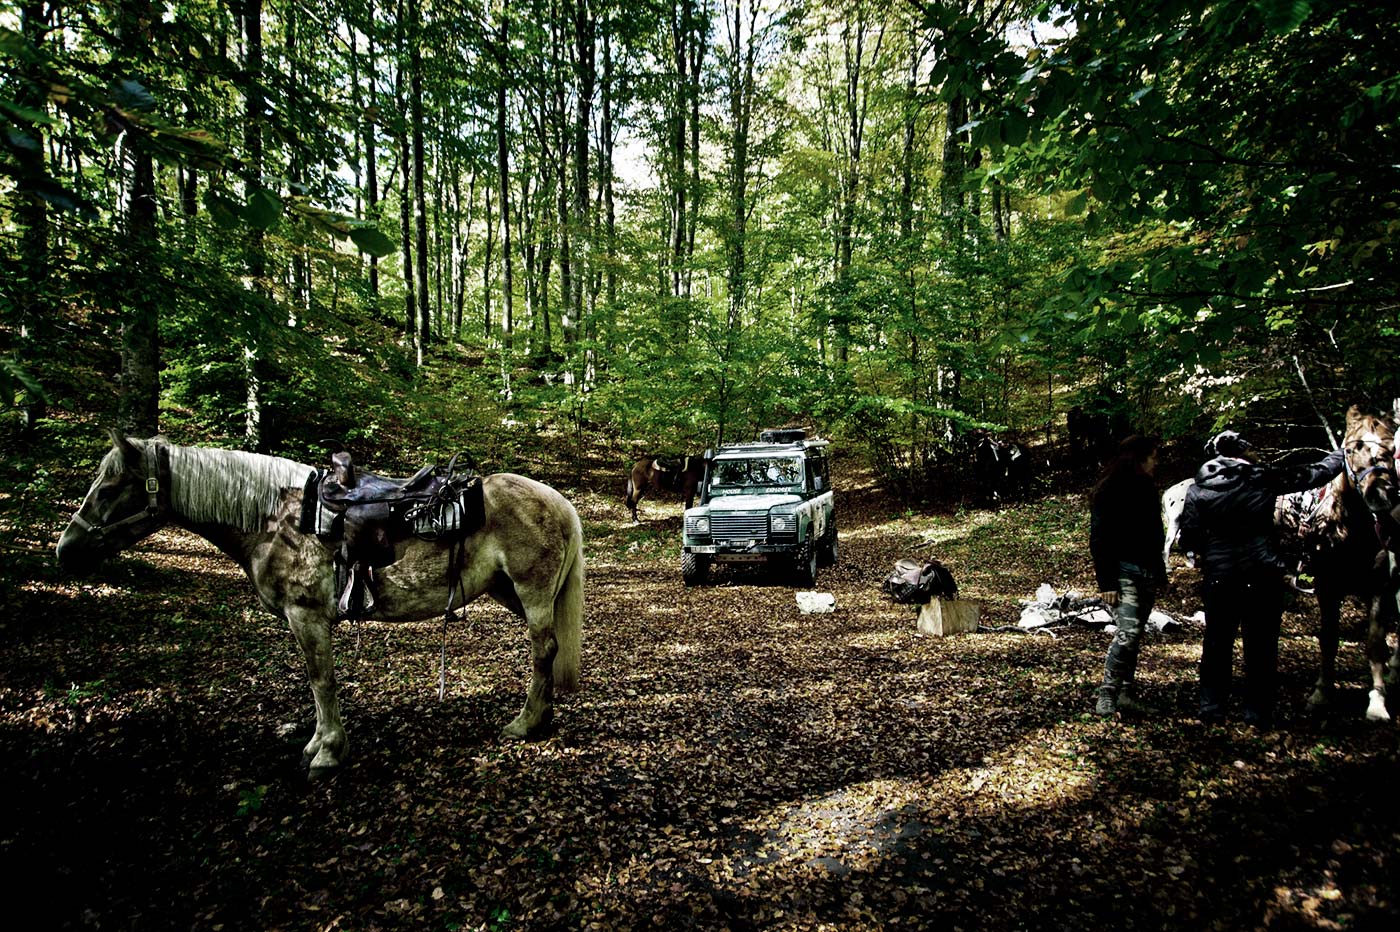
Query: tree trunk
[[563, 222], [420, 205], [741, 102], [256, 250], [486, 271], [31, 216], [607, 169], [371, 118], [410, 319], [585, 73], [503, 168]]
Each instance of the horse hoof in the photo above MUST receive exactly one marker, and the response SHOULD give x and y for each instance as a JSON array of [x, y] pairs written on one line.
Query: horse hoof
[[515, 731], [1376, 711], [318, 774], [1318, 701]]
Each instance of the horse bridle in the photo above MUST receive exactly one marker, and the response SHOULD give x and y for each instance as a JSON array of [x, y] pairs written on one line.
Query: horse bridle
[[1382, 464], [157, 463]]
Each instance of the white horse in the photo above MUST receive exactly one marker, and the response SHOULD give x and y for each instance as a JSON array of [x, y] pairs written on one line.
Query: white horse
[[1173, 501], [528, 556]]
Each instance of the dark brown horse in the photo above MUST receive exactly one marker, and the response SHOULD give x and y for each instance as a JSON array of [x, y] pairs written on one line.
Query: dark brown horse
[[1349, 545], [678, 474]]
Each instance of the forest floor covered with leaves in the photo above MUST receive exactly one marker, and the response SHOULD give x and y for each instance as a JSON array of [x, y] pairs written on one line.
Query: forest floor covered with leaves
[[728, 763]]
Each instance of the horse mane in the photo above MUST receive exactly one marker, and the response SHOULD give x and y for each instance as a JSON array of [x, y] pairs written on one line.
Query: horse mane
[[230, 488]]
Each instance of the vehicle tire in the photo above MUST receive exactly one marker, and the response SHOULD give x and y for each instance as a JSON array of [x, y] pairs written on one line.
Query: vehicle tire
[[694, 568], [805, 566], [827, 553]]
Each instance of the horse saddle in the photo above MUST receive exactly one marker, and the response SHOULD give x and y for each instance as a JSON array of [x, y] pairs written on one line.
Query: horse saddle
[[371, 514]]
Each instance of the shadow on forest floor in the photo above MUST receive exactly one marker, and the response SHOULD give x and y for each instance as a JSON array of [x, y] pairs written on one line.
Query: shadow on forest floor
[[728, 762]]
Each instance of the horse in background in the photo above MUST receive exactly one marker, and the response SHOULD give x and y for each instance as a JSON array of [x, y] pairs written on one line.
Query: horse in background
[[528, 555], [1348, 544], [678, 474], [1002, 465], [1173, 502]]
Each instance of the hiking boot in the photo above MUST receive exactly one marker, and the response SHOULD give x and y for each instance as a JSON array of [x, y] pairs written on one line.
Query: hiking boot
[[1129, 704], [1107, 702]]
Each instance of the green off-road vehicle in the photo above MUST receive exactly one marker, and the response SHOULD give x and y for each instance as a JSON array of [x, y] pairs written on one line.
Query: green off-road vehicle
[[766, 502]]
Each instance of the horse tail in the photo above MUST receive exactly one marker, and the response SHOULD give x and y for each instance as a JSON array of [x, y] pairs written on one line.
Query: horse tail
[[568, 614]]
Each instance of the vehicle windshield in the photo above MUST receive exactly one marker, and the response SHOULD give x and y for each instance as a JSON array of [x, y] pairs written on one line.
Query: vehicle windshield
[[760, 474]]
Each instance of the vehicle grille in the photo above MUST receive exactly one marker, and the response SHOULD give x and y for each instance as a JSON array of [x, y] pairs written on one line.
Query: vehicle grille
[[750, 526]]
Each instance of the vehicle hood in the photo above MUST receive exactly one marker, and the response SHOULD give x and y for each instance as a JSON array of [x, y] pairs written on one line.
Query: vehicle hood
[[751, 502]]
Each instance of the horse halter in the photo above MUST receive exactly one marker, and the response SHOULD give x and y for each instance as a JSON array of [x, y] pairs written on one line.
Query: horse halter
[[156, 460], [1385, 464]]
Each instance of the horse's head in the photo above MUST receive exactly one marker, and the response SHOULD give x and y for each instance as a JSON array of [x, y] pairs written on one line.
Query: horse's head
[[1370, 460], [122, 506]]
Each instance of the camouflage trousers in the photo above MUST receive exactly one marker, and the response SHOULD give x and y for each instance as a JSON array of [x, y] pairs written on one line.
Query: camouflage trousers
[[1137, 594]]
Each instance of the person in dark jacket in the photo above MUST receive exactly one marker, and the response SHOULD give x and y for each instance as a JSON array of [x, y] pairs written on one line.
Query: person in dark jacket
[[1228, 521], [1126, 541]]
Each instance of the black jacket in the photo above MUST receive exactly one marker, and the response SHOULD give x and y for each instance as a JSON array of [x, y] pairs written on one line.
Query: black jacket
[[1228, 518], [1125, 526]]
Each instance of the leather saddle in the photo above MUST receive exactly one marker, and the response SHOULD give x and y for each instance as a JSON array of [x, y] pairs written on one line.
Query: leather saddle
[[375, 513]]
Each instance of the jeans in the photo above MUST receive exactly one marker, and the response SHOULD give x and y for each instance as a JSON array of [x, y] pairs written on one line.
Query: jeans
[[1136, 596], [1250, 604]]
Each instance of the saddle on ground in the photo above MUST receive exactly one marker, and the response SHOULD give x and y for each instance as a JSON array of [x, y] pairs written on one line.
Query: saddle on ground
[[372, 514]]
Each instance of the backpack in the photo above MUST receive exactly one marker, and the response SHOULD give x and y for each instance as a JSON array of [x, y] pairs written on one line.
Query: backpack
[[913, 583]]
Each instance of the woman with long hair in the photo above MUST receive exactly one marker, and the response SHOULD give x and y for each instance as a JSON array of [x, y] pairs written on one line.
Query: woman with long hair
[[1126, 541]]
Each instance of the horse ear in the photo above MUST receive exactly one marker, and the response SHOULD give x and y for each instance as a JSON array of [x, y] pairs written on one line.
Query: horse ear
[[1353, 415], [120, 442]]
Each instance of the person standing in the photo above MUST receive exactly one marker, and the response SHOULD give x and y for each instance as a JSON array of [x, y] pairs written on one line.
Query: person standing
[[1228, 522], [1126, 542]]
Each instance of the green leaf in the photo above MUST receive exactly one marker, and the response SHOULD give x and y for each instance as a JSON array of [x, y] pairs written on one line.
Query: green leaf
[[131, 95], [264, 209], [12, 374], [27, 114], [226, 212], [369, 239], [1283, 16]]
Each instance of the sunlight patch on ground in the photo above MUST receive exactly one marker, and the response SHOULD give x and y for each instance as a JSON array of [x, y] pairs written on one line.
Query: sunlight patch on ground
[[840, 831], [1046, 768]]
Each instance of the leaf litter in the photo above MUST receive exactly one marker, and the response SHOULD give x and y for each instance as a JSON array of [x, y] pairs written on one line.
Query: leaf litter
[[729, 762]]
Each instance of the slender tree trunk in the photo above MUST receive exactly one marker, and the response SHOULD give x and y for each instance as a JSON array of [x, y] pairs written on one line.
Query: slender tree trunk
[[607, 181], [699, 41], [420, 205], [486, 270], [681, 30], [440, 238], [585, 73], [741, 102], [301, 271], [564, 224], [503, 168], [371, 154], [410, 320], [256, 249], [857, 99], [31, 216]]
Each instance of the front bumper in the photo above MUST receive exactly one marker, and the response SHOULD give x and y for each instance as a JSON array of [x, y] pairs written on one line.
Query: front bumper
[[746, 552]]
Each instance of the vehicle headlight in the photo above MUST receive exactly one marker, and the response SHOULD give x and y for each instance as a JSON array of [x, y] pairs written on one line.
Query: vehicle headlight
[[700, 525], [783, 524]]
